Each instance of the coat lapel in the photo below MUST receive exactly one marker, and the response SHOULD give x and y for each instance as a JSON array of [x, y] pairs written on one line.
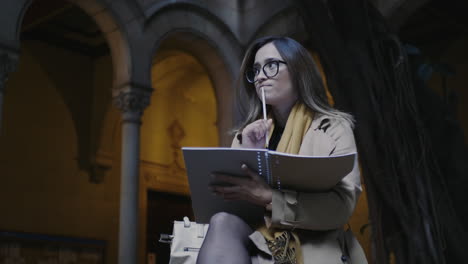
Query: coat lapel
[[322, 143]]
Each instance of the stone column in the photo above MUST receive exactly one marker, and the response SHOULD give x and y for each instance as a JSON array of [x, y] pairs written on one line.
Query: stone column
[[8, 63], [131, 100]]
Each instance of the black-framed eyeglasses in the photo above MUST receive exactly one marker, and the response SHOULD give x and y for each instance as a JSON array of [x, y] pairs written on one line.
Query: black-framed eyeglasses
[[270, 69]]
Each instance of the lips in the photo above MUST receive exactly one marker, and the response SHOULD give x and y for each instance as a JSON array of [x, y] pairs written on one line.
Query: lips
[[263, 85]]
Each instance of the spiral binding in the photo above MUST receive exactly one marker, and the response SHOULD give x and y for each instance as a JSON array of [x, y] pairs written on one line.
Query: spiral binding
[[264, 168], [259, 164], [267, 161], [278, 180]]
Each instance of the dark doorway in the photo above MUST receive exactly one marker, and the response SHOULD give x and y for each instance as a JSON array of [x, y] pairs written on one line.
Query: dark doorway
[[163, 209]]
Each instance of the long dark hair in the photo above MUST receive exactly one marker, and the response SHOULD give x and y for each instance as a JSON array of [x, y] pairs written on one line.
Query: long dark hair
[[305, 77]]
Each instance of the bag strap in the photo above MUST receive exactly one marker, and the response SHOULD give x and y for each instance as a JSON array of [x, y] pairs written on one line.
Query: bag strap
[[200, 230], [345, 258], [186, 222], [165, 238], [200, 227]]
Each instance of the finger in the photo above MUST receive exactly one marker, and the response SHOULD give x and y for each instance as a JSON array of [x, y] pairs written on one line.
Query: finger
[[259, 121], [227, 190], [259, 132], [264, 126], [263, 129], [229, 195], [229, 179], [241, 196], [266, 123], [219, 194], [254, 175], [232, 197], [253, 134], [237, 193], [269, 124]]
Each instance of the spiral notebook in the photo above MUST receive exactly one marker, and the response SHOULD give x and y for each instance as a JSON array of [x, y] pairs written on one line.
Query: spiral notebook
[[280, 171]]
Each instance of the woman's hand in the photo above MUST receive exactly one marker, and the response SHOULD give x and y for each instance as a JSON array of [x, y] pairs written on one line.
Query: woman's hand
[[254, 134], [252, 189]]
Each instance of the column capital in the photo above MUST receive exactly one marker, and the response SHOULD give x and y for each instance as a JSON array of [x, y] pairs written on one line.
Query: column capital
[[8, 64], [132, 99]]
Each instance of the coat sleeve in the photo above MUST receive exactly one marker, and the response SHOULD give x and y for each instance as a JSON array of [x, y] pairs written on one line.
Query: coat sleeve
[[321, 210]]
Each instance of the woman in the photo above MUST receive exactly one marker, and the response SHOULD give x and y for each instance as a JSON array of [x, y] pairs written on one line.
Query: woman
[[300, 227]]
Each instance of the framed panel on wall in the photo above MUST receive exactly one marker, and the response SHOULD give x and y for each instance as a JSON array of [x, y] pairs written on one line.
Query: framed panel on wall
[[19, 248]]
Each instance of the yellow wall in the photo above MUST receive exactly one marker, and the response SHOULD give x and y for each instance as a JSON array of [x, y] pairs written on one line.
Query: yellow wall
[[42, 188], [182, 113], [182, 93]]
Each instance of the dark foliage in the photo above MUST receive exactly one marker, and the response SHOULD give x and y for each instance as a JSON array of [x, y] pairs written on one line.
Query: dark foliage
[[409, 163]]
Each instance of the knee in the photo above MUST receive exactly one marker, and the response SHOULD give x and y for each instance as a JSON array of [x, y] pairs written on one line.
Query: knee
[[223, 219], [230, 227]]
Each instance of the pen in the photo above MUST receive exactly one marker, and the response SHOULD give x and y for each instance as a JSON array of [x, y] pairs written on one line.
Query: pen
[[264, 115]]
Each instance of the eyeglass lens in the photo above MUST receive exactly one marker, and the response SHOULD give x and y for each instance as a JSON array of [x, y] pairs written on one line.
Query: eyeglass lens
[[270, 70]]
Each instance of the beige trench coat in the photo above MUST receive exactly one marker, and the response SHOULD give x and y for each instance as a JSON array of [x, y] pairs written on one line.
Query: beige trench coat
[[318, 218]]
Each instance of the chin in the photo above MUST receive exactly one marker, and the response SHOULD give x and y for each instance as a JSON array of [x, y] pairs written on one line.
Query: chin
[[273, 102]]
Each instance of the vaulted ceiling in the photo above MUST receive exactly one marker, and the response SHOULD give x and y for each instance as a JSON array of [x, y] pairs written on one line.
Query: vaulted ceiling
[[64, 25], [428, 24]]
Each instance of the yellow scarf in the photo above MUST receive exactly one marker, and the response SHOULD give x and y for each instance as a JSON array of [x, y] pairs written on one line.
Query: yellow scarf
[[285, 245]]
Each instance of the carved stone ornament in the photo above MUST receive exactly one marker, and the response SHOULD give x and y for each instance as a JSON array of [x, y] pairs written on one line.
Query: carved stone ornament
[[132, 101]]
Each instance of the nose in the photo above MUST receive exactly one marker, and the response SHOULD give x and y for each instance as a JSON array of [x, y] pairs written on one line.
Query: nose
[[260, 77]]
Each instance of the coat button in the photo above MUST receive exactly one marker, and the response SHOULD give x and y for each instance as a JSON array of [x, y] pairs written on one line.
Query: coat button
[[344, 258]]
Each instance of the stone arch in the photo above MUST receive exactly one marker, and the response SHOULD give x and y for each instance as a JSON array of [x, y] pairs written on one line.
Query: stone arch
[[12, 13], [202, 35], [110, 19], [112, 27], [190, 17], [285, 22], [20, 18]]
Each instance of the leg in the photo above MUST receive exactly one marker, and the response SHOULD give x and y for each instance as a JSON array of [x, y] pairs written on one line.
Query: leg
[[227, 241]]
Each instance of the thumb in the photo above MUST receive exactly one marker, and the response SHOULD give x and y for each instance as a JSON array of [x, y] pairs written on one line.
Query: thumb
[[269, 123]]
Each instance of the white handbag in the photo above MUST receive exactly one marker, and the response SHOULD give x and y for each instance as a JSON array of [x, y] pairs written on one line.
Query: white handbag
[[352, 250], [186, 240]]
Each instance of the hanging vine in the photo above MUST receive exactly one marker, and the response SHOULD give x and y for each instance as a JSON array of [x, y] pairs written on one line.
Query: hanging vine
[[369, 74]]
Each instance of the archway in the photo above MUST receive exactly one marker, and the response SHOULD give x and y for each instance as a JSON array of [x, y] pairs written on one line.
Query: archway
[[184, 111], [53, 112]]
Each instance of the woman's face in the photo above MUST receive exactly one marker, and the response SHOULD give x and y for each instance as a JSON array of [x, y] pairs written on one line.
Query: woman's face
[[279, 91]]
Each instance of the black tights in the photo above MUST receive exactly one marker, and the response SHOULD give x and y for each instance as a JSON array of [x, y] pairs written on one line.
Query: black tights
[[227, 241]]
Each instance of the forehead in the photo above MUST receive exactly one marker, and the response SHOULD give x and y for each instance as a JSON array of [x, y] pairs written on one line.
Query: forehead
[[266, 52]]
